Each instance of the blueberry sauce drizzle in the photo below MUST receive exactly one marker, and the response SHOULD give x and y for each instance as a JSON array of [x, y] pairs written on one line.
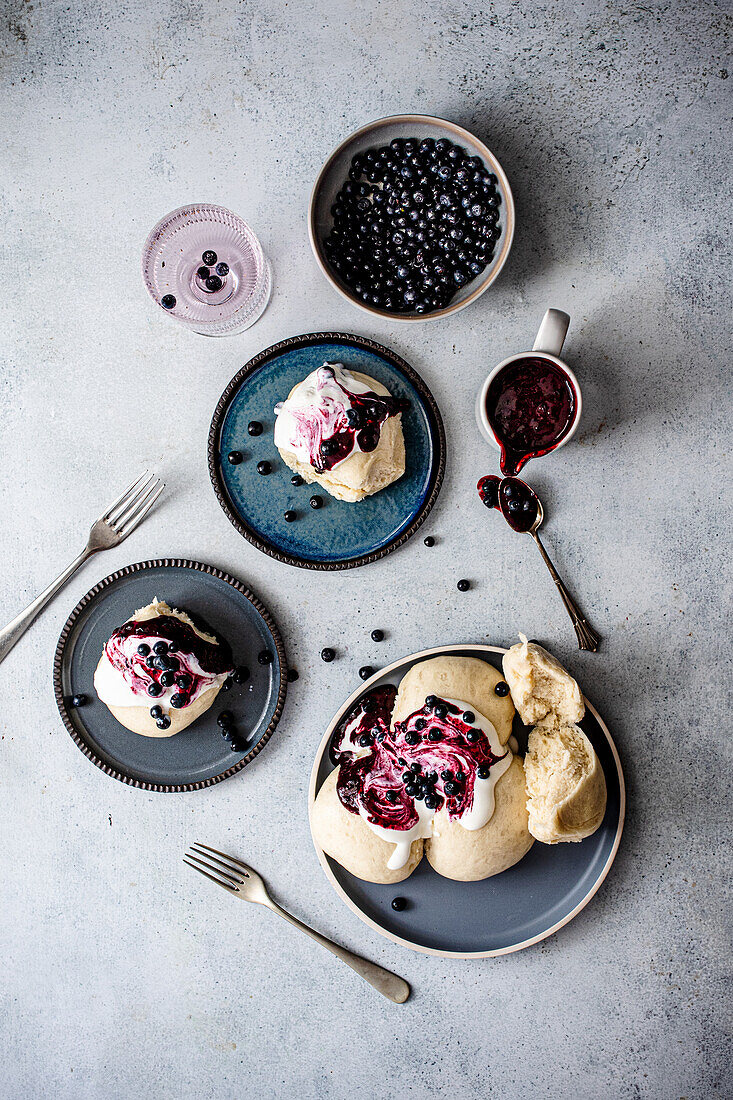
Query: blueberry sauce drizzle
[[512, 497], [433, 756], [165, 662], [355, 425], [531, 406]]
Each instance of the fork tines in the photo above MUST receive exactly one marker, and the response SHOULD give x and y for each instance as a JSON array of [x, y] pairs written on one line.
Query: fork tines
[[134, 504], [227, 872]]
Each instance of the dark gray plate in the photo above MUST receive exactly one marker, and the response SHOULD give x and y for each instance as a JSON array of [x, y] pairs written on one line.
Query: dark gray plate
[[198, 756], [502, 914]]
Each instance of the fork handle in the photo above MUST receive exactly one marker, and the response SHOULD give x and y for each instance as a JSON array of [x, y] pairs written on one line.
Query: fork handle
[[388, 984], [15, 630], [586, 635]]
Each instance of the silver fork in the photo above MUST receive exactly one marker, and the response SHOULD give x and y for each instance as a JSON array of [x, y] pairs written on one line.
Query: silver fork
[[242, 882], [119, 521]]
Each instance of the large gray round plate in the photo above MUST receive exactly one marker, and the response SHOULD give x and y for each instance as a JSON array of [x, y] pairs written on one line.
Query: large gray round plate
[[198, 756], [505, 913]]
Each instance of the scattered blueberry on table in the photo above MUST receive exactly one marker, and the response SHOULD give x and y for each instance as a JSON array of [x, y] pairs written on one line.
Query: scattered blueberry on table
[[293, 675], [377, 635], [316, 502], [429, 541], [264, 467], [235, 457], [168, 301], [296, 479], [463, 586], [328, 654], [399, 904], [254, 428], [366, 671], [415, 221], [290, 515]]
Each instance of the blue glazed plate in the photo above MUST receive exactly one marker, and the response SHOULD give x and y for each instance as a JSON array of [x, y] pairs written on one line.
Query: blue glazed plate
[[510, 911], [339, 535], [197, 756]]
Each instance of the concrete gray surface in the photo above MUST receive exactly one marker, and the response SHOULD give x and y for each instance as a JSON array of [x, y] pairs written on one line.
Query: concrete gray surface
[[126, 977]]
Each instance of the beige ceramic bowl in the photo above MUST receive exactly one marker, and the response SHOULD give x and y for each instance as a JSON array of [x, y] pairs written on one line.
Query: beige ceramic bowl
[[335, 171]]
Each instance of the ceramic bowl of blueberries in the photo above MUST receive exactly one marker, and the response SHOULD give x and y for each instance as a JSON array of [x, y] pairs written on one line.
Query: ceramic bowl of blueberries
[[411, 218]]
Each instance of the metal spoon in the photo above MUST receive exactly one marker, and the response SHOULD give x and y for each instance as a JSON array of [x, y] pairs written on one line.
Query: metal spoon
[[500, 494]]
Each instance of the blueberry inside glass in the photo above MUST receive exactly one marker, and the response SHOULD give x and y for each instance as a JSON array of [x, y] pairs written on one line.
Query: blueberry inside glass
[[414, 222]]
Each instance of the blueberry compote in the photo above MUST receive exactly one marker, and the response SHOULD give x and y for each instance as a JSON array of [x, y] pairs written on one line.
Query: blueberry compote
[[165, 656], [512, 497], [439, 758], [335, 419], [531, 407], [415, 221]]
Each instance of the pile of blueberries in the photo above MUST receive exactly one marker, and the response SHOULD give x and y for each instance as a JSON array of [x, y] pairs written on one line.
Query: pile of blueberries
[[415, 221], [169, 666]]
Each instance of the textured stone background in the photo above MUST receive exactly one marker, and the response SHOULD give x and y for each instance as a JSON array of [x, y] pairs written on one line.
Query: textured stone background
[[123, 975]]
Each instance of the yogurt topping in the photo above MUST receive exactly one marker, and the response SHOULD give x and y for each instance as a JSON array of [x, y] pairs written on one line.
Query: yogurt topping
[[330, 415], [445, 757], [163, 660]]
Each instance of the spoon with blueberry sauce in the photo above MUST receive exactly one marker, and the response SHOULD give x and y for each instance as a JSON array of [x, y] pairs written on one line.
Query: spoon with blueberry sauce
[[522, 509]]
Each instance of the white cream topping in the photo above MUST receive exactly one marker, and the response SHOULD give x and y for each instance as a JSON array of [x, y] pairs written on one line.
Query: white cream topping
[[316, 410], [479, 813]]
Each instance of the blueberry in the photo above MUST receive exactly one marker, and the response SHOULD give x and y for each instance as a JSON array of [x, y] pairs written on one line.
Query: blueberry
[[440, 711], [296, 479], [399, 904], [328, 447], [183, 680], [209, 257], [514, 505], [431, 802], [168, 301], [502, 688], [290, 515], [411, 790], [412, 738], [407, 777], [484, 771], [392, 796], [155, 690], [78, 700], [469, 717], [237, 744], [254, 427], [178, 700], [451, 788], [235, 457], [203, 272], [377, 635], [167, 679], [463, 586], [293, 675], [264, 468], [316, 502], [366, 671], [143, 649], [222, 269], [163, 723], [263, 658], [473, 735], [225, 719], [365, 740], [328, 654], [429, 540], [435, 735], [160, 647], [213, 283], [420, 723], [431, 700], [227, 685]]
